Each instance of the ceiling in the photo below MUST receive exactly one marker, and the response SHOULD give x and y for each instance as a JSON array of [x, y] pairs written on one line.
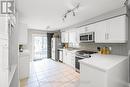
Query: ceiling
[[39, 14]]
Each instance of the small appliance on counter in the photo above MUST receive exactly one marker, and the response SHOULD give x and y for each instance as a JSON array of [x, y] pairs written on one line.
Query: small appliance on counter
[[66, 45], [103, 50]]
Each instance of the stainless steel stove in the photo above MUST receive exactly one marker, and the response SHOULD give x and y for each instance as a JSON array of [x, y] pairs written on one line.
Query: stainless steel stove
[[82, 55]]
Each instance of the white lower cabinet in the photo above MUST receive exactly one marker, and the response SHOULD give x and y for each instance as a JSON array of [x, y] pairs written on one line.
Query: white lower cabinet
[[117, 75], [64, 56], [91, 77], [69, 58]]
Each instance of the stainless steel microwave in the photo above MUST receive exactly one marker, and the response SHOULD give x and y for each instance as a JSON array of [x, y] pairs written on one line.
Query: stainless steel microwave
[[87, 37]]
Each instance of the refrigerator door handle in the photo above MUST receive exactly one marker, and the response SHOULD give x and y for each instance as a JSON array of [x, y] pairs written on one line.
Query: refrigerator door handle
[[51, 44]]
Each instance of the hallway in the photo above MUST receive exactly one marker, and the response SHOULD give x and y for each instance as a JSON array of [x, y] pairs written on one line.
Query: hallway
[[48, 73]]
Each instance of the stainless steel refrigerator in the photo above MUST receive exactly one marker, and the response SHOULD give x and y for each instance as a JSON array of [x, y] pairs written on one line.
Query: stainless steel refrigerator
[[54, 48]]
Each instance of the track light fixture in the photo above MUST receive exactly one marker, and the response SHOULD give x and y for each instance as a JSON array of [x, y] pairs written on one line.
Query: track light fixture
[[71, 11]]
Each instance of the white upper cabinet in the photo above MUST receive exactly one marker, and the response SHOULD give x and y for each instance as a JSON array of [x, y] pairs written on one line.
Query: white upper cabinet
[[90, 28], [81, 30], [100, 32], [117, 30], [111, 31], [64, 37], [72, 36], [87, 28]]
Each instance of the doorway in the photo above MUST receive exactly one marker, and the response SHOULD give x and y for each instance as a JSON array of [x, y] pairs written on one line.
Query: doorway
[[39, 47]]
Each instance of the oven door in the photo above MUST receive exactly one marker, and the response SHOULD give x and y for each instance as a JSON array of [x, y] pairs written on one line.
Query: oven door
[[77, 64]]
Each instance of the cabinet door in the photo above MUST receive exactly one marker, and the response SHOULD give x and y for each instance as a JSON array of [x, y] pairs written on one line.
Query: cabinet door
[[116, 32], [81, 30], [64, 56], [72, 37], [66, 37], [62, 37], [100, 32], [92, 77], [71, 34], [73, 60], [91, 27], [68, 58]]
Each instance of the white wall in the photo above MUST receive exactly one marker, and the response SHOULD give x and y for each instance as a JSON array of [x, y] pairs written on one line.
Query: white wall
[[22, 33]]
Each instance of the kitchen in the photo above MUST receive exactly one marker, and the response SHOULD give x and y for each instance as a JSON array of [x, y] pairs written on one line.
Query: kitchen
[[87, 47], [108, 49]]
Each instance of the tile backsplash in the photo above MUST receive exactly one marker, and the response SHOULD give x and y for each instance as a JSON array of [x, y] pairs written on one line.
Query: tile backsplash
[[117, 49]]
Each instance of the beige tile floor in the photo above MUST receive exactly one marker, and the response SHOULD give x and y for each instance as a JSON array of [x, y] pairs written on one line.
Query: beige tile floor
[[48, 73]]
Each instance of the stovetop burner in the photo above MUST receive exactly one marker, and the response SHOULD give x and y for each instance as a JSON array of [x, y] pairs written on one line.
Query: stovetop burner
[[84, 53]]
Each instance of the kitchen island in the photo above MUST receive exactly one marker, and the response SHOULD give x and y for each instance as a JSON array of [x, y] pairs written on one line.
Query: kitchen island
[[104, 71]]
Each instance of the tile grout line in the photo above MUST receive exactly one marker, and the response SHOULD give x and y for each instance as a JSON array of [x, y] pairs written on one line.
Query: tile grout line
[[37, 77], [57, 73]]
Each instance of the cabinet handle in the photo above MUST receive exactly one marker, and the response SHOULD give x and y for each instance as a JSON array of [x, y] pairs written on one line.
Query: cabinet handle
[[107, 36]]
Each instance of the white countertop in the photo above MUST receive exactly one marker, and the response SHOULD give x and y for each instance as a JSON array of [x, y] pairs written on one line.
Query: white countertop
[[103, 62], [71, 50]]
